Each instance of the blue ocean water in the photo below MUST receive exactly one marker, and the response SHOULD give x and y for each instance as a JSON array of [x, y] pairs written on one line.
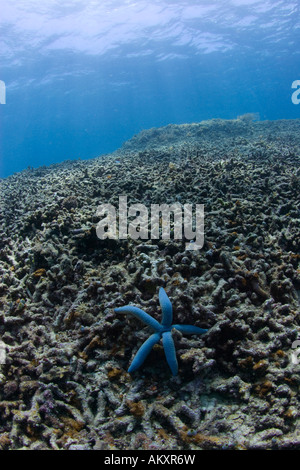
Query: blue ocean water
[[83, 76]]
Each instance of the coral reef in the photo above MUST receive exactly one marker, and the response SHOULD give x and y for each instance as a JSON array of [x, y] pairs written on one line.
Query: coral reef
[[63, 380]]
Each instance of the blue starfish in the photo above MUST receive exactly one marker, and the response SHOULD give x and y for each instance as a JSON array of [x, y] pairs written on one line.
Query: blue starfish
[[162, 330]]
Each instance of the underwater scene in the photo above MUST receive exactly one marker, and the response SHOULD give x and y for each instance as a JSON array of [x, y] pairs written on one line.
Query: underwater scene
[[149, 227]]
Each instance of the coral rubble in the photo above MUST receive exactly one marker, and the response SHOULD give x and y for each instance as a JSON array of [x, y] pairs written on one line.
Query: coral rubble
[[63, 379]]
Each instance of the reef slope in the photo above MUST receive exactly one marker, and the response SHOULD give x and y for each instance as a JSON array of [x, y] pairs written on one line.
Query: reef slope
[[65, 353]]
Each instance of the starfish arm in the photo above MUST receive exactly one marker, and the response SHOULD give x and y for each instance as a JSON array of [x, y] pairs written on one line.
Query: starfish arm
[[190, 329], [141, 315], [143, 352], [166, 307], [170, 352]]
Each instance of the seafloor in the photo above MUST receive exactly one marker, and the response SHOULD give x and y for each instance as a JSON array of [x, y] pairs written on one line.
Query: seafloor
[[65, 352]]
